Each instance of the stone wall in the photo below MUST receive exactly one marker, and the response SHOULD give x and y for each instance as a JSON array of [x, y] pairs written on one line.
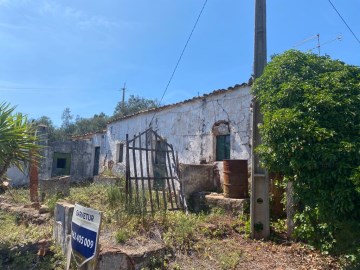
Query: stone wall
[[80, 155], [108, 257], [196, 178], [54, 185]]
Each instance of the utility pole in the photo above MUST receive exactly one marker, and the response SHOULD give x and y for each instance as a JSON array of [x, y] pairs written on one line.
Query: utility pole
[[259, 204], [123, 99]]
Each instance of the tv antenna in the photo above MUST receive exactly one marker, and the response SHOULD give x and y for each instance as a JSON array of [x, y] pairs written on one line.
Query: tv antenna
[[123, 98], [319, 45], [317, 37]]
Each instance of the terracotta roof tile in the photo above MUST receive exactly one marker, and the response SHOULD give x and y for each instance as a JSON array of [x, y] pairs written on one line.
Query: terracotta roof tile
[[215, 92]]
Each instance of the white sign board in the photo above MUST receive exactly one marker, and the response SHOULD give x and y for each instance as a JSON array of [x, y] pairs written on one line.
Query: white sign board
[[85, 228]]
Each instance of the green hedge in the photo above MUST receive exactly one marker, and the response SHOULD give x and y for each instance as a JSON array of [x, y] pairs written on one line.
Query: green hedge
[[311, 135]]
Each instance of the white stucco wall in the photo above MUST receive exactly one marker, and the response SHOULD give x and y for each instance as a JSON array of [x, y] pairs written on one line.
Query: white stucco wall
[[188, 127], [17, 177]]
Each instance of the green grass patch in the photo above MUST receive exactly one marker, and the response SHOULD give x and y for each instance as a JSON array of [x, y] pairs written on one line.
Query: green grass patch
[[18, 195], [122, 235], [17, 249]]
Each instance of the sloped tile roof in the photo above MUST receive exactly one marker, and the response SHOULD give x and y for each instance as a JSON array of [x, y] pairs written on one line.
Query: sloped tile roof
[[215, 92]]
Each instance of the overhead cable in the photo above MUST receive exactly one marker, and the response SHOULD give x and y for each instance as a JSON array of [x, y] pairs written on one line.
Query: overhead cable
[[352, 32], [181, 55]]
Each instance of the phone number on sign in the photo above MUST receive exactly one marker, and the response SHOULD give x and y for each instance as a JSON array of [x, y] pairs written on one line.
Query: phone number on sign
[[82, 240]]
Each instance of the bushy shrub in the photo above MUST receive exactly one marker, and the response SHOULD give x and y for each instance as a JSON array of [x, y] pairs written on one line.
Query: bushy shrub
[[311, 135]]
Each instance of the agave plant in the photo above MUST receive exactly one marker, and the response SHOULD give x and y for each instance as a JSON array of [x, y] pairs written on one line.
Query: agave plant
[[17, 140]]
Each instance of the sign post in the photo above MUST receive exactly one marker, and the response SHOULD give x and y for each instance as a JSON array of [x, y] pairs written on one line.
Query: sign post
[[85, 227]]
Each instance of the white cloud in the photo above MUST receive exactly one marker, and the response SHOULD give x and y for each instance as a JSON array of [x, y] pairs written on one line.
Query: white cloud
[[79, 17]]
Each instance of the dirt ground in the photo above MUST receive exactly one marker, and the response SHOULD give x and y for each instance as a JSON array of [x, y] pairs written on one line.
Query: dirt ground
[[229, 250], [250, 254]]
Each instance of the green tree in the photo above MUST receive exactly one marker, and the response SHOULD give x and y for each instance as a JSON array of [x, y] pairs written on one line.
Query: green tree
[[17, 139], [70, 128], [96, 123], [311, 135], [53, 133], [67, 125], [92, 124], [134, 104]]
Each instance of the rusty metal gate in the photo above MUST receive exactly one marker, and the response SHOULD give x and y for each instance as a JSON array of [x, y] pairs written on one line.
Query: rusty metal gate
[[152, 182]]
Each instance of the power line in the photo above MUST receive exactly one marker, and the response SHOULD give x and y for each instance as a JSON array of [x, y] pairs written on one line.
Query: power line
[[181, 55], [338, 38], [305, 41], [344, 21], [319, 45]]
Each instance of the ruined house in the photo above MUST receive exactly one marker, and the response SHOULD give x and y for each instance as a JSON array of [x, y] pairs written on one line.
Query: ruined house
[[74, 157], [203, 130]]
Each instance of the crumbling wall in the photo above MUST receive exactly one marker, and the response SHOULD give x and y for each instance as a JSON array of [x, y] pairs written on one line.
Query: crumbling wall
[[82, 155], [188, 126], [81, 159], [52, 186], [61, 147], [108, 257], [197, 177]]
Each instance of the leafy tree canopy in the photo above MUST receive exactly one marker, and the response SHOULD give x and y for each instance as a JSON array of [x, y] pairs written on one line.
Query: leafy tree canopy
[[52, 132], [134, 104], [311, 135], [86, 125], [69, 127]]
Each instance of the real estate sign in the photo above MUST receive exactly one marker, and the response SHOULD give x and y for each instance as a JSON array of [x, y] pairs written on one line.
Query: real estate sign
[[85, 227]]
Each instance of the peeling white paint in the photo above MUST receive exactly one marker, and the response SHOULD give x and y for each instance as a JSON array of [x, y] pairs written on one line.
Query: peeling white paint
[[188, 127]]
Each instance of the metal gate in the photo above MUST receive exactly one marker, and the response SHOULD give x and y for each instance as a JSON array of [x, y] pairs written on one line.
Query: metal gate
[[152, 182]]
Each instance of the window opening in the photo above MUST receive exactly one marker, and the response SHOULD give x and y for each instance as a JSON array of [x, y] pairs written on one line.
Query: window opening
[[222, 147], [120, 151], [61, 163]]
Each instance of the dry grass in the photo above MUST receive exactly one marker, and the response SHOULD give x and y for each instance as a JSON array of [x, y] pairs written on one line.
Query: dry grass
[[196, 241]]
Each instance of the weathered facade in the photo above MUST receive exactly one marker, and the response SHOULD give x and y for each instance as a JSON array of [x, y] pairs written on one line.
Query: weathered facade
[[76, 158], [202, 130]]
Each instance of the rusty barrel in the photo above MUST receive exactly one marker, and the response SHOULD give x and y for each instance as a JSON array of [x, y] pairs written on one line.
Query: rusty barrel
[[235, 178]]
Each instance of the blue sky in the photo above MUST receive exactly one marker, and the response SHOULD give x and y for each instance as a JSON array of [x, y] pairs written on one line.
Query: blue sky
[[78, 54]]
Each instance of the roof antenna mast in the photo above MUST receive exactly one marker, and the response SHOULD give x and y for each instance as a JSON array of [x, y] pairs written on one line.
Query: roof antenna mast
[[123, 100], [318, 43]]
